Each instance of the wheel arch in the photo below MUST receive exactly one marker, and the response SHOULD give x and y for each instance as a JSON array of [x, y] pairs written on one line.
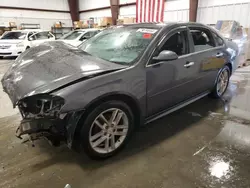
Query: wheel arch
[[229, 64], [131, 101]]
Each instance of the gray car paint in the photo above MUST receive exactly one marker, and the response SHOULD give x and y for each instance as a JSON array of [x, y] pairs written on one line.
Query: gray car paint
[[48, 67], [138, 81], [153, 88]]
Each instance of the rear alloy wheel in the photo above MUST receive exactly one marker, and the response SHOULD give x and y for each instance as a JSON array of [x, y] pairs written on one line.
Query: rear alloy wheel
[[222, 82], [107, 129]]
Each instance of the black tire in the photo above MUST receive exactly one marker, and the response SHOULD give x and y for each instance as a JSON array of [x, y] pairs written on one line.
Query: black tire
[[88, 121], [27, 47], [1, 57], [215, 93]]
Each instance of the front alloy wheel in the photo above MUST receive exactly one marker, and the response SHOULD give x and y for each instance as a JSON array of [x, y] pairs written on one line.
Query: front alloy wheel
[[106, 129]]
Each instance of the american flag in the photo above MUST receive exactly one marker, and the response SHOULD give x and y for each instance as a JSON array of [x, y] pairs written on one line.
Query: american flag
[[149, 10]]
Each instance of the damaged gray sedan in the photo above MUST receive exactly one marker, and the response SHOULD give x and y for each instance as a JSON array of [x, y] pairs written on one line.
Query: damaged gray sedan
[[92, 97]]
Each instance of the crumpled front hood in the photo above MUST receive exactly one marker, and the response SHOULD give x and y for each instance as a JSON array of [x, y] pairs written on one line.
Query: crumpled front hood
[[48, 67]]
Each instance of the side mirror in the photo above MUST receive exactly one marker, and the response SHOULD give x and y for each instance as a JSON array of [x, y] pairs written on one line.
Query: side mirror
[[166, 55]]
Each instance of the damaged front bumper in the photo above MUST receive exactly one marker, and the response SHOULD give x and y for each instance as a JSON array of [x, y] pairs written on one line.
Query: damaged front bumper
[[32, 126], [57, 131], [52, 129], [42, 118]]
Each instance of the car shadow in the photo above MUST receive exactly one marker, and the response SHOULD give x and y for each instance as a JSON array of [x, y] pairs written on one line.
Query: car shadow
[[144, 137]]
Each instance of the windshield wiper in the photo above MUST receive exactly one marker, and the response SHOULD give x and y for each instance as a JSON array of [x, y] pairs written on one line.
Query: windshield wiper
[[118, 62]]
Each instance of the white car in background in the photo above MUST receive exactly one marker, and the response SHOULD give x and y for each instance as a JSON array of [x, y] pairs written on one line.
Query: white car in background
[[13, 43], [77, 37]]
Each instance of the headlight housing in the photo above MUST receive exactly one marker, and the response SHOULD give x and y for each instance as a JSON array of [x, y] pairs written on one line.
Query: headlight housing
[[20, 44], [41, 105]]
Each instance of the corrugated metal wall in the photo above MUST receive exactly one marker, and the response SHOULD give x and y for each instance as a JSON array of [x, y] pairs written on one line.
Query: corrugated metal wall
[[128, 11], [93, 4], [43, 4], [209, 11], [45, 19], [175, 10]]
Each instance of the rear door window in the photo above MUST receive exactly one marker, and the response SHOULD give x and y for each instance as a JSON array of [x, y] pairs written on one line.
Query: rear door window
[[202, 38]]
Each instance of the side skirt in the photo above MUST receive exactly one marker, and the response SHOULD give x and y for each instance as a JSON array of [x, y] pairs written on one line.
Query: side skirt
[[175, 108]]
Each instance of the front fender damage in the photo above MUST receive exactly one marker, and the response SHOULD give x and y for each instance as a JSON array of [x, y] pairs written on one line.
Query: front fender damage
[[71, 129]]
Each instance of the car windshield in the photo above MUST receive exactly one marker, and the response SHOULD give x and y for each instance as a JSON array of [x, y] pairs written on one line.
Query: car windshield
[[73, 35], [14, 35], [119, 45]]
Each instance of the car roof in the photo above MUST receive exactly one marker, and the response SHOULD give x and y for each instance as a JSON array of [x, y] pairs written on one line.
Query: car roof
[[162, 24]]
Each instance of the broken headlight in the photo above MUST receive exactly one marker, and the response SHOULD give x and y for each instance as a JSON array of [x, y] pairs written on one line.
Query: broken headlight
[[41, 105]]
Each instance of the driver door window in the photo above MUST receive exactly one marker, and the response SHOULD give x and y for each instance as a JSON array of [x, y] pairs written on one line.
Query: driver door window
[[177, 43]]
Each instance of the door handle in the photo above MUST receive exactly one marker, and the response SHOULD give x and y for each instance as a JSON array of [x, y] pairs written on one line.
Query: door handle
[[189, 64], [219, 55]]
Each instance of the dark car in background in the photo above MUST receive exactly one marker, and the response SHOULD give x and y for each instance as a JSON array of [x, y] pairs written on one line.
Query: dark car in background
[[94, 96]]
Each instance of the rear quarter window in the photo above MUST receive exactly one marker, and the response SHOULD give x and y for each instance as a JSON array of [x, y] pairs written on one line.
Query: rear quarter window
[[202, 38], [219, 41]]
